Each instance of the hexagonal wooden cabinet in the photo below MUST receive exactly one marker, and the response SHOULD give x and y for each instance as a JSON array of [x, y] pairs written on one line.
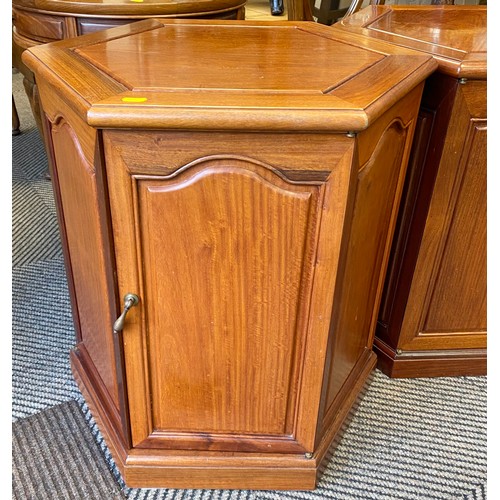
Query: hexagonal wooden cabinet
[[432, 319], [240, 182]]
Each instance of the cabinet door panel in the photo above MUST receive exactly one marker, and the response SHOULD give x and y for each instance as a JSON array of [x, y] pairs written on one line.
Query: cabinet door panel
[[223, 254]]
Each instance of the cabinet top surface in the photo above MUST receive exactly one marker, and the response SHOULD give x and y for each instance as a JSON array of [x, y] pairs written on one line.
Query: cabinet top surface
[[454, 35], [129, 8], [229, 58], [283, 71]]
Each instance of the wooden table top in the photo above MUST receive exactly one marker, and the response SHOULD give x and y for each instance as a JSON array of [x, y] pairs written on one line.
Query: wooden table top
[[226, 74], [454, 35], [112, 8]]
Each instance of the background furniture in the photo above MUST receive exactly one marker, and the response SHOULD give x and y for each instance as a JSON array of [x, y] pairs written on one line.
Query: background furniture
[[36, 22], [432, 319], [331, 11], [15, 119], [258, 269], [277, 7]]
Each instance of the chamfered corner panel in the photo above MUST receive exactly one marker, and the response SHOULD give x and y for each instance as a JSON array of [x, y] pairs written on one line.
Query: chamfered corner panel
[[83, 224]]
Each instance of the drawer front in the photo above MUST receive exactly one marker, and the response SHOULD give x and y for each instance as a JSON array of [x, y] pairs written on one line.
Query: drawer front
[[87, 25], [39, 27]]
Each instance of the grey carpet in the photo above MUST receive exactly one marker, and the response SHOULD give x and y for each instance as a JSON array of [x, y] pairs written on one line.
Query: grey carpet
[[54, 453], [408, 439]]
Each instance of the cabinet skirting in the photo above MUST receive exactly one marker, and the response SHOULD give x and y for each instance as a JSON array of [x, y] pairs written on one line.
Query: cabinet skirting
[[442, 363]]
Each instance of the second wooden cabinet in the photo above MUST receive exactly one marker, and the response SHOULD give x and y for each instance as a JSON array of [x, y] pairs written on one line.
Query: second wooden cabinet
[[432, 318]]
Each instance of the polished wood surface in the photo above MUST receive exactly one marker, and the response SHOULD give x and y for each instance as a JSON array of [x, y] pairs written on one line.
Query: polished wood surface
[[244, 212], [442, 301], [225, 61], [41, 21], [84, 234], [249, 293], [379, 179], [432, 319], [123, 8], [454, 35]]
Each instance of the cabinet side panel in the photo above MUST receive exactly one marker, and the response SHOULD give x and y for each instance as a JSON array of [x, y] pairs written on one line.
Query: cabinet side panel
[[458, 300], [447, 303], [376, 189], [83, 231], [428, 142]]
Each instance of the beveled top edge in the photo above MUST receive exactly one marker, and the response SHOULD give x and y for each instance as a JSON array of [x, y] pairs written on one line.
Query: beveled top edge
[[453, 61], [99, 98], [127, 8]]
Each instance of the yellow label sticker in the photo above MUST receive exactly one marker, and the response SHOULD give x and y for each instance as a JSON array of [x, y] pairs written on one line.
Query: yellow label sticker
[[134, 99], [137, 1]]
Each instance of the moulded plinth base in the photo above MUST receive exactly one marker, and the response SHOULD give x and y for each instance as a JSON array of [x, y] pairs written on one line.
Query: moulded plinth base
[[155, 468], [443, 363]]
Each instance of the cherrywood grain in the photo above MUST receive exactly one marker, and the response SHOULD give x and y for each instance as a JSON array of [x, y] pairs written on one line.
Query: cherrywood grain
[[39, 27], [62, 228], [124, 8], [256, 274], [435, 363], [434, 115], [376, 191], [224, 59], [77, 184], [445, 307], [252, 305], [310, 106], [162, 152], [70, 27], [72, 146], [140, 467], [454, 35], [337, 419], [433, 316], [246, 239], [40, 21], [321, 97]]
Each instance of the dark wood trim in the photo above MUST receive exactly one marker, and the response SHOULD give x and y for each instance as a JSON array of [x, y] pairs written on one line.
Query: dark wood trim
[[99, 402], [351, 393], [203, 441], [442, 363]]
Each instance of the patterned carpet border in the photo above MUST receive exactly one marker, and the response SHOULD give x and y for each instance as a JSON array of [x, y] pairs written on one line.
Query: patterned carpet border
[[54, 455]]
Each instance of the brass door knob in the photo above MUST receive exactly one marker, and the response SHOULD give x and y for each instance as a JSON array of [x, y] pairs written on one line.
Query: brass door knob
[[130, 300]]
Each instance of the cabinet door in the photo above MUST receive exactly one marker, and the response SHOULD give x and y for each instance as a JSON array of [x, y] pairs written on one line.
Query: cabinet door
[[223, 255], [447, 302]]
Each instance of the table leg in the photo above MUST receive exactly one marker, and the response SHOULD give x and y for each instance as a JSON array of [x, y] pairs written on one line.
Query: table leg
[[15, 119]]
